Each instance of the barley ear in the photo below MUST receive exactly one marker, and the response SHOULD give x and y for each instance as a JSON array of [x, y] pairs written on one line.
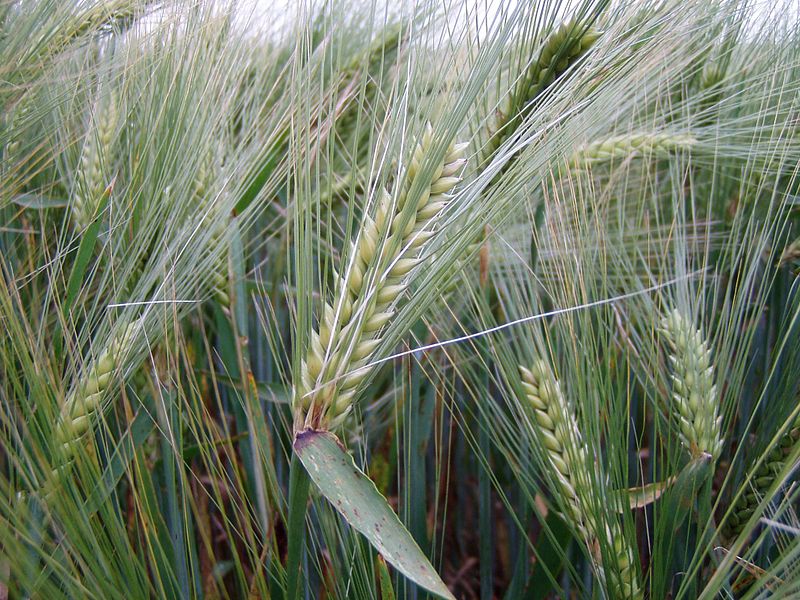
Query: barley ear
[[559, 51], [759, 484], [694, 395], [382, 262], [621, 147], [87, 397], [559, 436], [96, 159], [571, 465]]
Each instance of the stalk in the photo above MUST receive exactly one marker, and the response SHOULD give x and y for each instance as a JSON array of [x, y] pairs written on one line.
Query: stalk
[[486, 550], [299, 483]]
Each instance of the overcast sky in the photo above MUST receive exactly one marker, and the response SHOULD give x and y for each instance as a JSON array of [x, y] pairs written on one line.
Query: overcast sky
[[268, 14]]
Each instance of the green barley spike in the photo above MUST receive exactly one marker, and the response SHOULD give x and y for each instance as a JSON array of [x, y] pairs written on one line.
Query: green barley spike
[[572, 466], [694, 394], [560, 50], [559, 435], [97, 152], [763, 478], [621, 147], [87, 397], [382, 262]]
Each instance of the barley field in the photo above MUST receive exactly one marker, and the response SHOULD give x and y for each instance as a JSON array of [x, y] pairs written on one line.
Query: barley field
[[353, 299]]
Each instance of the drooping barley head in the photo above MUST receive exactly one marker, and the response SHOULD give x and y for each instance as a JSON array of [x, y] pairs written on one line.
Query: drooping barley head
[[572, 468]]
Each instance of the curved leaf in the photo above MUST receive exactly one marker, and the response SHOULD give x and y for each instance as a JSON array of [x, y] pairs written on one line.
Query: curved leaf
[[357, 499]]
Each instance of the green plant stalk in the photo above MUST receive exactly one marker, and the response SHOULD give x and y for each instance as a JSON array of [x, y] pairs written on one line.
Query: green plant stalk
[[176, 518], [418, 420], [385, 580], [486, 550], [299, 484], [414, 490]]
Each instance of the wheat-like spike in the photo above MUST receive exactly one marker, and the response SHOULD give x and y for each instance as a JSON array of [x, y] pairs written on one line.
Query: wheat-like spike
[[764, 476], [96, 157], [694, 394], [559, 435], [570, 460], [627, 584], [560, 50], [85, 400], [14, 132], [202, 187], [382, 261], [631, 144]]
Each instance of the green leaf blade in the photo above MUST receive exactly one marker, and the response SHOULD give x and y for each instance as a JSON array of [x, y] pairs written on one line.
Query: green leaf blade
[[357, 499]]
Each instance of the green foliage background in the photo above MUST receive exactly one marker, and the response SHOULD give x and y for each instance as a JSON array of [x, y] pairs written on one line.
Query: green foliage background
[[182, 189]]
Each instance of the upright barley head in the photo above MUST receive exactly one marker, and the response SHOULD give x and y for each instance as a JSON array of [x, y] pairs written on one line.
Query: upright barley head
[[382, 263], [93, 175], [694, 395]]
